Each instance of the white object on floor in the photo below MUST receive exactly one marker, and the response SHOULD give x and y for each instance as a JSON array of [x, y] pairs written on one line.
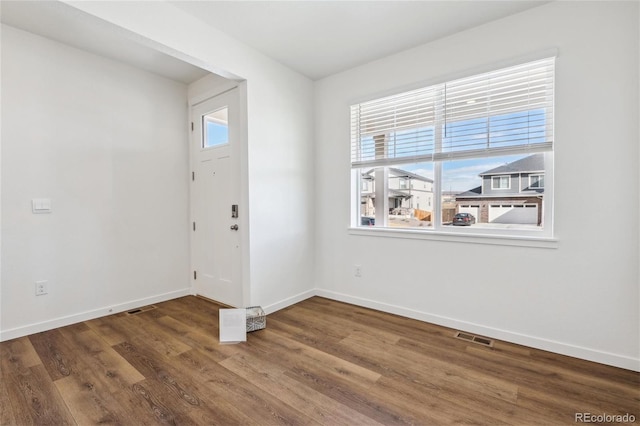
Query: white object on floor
[[233, 325]]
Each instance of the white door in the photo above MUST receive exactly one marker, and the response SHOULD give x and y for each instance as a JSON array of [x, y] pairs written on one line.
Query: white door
[[215, 242]]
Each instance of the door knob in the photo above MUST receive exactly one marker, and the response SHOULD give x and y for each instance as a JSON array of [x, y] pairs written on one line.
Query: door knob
[[234, 227]]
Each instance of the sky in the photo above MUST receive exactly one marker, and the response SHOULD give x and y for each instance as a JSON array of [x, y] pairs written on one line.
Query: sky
[[460, 175], [216, 134]]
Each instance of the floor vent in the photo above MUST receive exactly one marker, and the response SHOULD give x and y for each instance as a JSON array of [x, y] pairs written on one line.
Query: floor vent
[[474, 339], [140, 310]]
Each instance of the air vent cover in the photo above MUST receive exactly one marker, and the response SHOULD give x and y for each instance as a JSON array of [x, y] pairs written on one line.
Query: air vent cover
[[140, 310], [484, 341]]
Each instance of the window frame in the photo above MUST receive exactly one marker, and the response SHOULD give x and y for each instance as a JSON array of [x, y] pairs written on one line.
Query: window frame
[[543, 237], [540, 177], [500, 187]]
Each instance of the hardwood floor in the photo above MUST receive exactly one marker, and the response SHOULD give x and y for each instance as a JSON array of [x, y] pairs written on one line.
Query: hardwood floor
[[318, 362]]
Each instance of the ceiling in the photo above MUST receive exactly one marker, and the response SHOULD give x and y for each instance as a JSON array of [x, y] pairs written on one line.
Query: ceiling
[[320, 38], [70, 26], [315, 38]]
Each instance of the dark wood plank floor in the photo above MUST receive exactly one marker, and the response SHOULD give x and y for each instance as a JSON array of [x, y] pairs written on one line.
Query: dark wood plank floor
[[318, 362]]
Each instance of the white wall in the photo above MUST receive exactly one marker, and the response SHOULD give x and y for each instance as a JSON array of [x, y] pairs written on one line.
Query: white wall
[[581, 298], [279, 165], [107, 143]]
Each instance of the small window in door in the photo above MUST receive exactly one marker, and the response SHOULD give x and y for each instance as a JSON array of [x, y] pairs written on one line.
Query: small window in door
[[215, 128]]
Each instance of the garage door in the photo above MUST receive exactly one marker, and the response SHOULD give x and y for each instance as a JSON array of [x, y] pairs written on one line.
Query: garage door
[[471, 209], [513, 213]]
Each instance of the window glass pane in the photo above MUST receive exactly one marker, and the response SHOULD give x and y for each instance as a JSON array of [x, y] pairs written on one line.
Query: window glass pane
[[465, 135], [215, 128], [409, 196], [496, 131], [411, 143], [516, 128], [367, 197], [367, 149], [500, 182], [536, 181], [497, 202]]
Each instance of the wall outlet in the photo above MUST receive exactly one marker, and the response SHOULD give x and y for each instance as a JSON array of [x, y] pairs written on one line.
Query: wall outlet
[[357, 271], [42, 287]]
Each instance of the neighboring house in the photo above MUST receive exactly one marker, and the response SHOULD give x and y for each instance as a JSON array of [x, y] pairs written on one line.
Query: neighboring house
[[407, 192], [511, 193]]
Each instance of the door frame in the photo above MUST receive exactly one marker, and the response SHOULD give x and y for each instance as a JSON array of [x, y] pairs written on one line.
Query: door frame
[[243, 175]]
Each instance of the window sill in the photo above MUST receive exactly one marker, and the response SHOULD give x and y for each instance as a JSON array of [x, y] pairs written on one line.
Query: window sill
[[467, 238]]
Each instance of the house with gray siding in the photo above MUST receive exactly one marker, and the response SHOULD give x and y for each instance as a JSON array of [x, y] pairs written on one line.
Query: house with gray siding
[[512, 193]]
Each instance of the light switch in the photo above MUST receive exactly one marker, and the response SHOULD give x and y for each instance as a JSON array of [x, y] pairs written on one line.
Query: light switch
[[41, 205]]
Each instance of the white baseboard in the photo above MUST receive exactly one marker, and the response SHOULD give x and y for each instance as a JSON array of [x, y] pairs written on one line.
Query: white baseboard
[[26, 330], [269, 309], [601, 357]]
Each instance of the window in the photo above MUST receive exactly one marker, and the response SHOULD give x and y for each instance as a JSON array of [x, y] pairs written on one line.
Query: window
[[536, 181], [462, 142], [500, 182], [216, 128]]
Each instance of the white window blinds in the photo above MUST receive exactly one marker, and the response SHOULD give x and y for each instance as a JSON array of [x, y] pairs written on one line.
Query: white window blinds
[[502, 112]]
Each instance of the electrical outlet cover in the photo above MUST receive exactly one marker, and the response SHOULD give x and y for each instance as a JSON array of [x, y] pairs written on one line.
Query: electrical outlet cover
[[41, 288]]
